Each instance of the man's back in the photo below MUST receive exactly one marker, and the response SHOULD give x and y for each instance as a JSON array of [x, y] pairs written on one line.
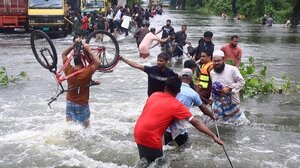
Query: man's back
[[188, 96], [160, 110], [80, 94]]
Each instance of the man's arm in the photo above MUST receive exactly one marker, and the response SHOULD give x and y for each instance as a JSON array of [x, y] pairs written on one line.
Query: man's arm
[[133, 64], [239, 57], [206, 111], [202, 128], [159, 31], [66, 52], [95, 58]]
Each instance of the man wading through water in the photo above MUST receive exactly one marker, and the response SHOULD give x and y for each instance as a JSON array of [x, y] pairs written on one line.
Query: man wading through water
[[159, 111], [78, 109]]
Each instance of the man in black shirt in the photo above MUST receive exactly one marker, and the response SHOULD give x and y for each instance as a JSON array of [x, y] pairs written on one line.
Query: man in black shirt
[[157, 75], [181, 41]]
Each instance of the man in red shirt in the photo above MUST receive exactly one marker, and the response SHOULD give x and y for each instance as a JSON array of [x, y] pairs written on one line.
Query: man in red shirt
[[232, 51], [159, 111]]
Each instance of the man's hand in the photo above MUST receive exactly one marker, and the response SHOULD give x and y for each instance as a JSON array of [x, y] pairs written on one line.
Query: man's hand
[[217, 140], [226, 90]]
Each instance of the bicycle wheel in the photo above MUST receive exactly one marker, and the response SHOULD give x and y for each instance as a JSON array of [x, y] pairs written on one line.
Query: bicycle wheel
[[43, 49], [104, 45]]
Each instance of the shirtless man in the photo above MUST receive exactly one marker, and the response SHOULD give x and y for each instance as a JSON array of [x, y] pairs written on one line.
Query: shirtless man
[[145, 45]]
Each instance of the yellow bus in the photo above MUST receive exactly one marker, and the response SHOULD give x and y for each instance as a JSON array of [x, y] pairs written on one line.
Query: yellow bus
[[49, 16], [89, 6]]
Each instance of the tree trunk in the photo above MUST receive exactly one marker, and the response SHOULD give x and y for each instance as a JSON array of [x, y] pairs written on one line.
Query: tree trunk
[[260, 7], [296, 14], [234, 8]]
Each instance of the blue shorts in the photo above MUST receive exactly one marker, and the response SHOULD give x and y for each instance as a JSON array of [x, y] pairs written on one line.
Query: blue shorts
[[78, 113]]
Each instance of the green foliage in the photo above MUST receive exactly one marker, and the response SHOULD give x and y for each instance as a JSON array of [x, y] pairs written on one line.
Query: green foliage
[[280, 10], [258, 81], [5, 79]]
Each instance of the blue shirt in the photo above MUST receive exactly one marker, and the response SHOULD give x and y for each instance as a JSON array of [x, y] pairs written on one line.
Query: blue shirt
[[188, 96]]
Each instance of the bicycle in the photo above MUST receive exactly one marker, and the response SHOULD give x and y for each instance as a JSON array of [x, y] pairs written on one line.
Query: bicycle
[[102, 43]]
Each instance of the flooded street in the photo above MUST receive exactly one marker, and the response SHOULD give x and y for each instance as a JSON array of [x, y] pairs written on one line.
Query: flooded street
[[33, 135]]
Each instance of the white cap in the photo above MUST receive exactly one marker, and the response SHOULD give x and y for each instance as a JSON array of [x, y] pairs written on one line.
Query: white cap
[[186, 72], [218, 53]]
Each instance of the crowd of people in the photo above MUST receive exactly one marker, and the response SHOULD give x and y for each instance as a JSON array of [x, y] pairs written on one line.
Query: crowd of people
[[116, 20], [206, 81]]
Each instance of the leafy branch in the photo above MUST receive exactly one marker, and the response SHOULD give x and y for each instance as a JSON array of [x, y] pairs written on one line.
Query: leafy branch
[[5, 79]]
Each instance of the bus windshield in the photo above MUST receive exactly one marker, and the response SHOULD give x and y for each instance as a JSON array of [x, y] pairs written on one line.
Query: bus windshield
[[45, 4], [95, 4]]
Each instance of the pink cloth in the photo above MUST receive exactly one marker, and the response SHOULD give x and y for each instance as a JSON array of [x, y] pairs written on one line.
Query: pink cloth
[[231, 53], [145, 45]]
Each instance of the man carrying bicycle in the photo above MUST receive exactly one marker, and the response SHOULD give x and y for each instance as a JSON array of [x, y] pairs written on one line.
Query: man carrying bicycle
[[78, 86]]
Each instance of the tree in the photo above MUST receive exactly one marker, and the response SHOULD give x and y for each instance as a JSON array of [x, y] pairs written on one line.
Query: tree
[[296, 14], [234, 8], [260, 7]]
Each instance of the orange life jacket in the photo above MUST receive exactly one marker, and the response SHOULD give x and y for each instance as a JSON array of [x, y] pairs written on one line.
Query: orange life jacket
[[204, 75]]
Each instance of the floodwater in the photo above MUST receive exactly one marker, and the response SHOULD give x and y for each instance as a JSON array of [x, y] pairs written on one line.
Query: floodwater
[[33, 135]]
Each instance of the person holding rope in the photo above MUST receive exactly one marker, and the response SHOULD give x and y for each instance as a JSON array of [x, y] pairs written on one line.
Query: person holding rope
[[147, 41], [180, 39], [77, 108], [177, 131], [158, 113]]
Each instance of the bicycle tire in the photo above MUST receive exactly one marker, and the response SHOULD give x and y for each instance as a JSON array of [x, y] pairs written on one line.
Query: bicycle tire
[[110, 57], [43, 49]]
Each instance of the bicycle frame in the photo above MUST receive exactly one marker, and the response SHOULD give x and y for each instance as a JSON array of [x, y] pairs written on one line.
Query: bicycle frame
[[87, 62]]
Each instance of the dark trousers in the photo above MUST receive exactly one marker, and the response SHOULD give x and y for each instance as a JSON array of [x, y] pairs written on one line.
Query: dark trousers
[[149, 154], [180, 139]]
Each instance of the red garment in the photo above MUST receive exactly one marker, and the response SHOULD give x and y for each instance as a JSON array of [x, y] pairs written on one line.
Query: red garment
[[85, 23], [231, 53], [159, 111]]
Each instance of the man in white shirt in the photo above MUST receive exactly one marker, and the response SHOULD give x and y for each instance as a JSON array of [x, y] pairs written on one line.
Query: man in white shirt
[[227, 81]]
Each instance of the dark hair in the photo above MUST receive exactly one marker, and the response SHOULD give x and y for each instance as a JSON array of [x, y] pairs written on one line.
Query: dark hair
[[189, 64], [208, 52], [184, 25], [169, 20], [234, 36], [152, 30], [147, 24], [208, 34], [173, 85], [77, 60], [164, 56]]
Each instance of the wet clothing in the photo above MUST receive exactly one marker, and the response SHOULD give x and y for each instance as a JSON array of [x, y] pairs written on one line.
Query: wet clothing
[[269, 21], [166, 31], [146, 43], [202, 45], [149, 154], [78, 113], [180, 40], [232, 53], [205, 82], [80, 93], [157, 78], [159, 111], [177, 129], [140, 34], [226, 105]]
